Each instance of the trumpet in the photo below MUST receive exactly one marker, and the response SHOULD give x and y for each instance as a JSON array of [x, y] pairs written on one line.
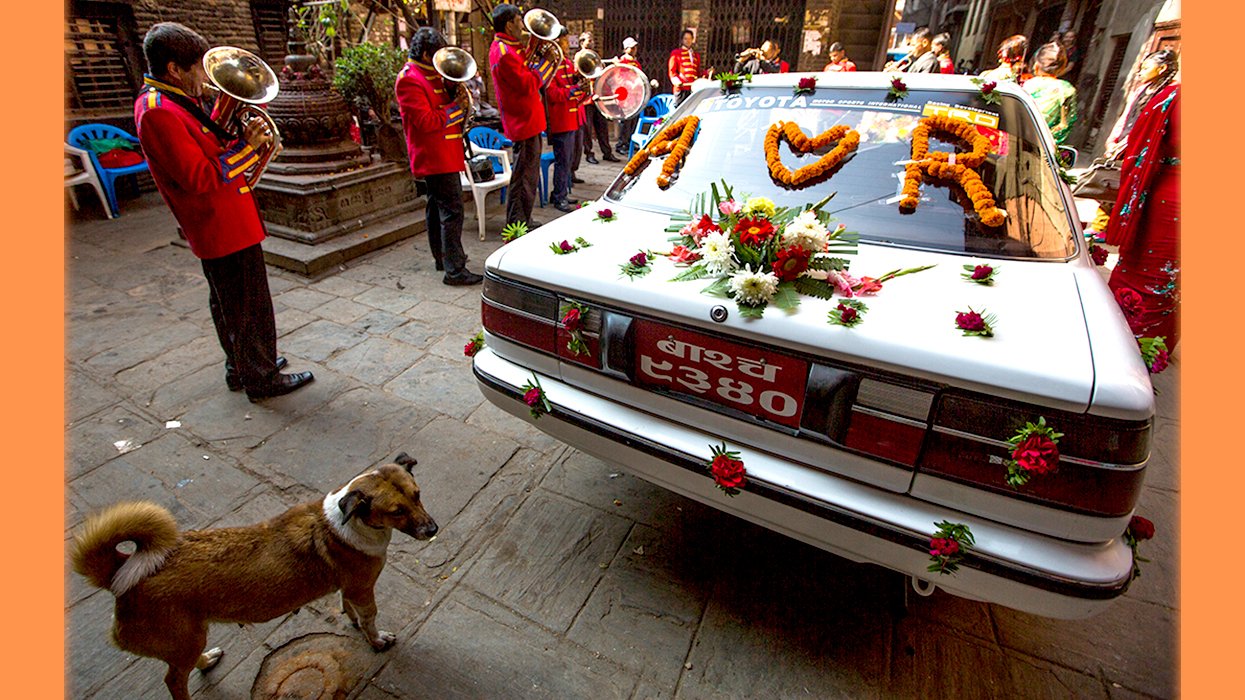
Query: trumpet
[[457, 66], [242, 81], [543, 53], [749, 54]]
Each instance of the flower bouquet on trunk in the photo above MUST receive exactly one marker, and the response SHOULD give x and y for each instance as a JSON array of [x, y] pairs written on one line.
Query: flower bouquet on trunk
[[759, 254]]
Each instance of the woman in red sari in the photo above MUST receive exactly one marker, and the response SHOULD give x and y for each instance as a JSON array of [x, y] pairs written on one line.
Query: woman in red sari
[[1146, 221]]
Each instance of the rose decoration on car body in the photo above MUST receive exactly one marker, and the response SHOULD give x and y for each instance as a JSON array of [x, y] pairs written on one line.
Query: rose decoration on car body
[[1154, 353], [566, 247], [1098, 254], [474, 344], [727, 469], [573, 316], [605, 215], [732, 82], [898, 89], [1035, 450], [987, 90], [948, 546], [638, 265], [849, 312], [758, 253], [806, 86], [975, 323], [1139, 530], [534, 396], [981, 274]]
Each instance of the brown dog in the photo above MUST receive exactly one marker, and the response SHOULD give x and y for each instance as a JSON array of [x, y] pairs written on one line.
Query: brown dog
[[175, 583]]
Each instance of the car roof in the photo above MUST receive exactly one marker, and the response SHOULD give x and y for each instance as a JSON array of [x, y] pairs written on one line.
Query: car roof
[[871, 79]]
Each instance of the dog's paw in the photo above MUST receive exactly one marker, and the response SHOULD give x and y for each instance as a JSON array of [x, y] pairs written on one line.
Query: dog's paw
[[208, 659], [384, 640]]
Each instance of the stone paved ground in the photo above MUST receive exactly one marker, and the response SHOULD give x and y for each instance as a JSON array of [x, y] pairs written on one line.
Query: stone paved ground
[[555, 575]]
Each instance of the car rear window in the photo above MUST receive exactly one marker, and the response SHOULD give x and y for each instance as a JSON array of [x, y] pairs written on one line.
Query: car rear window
[[730, 146]]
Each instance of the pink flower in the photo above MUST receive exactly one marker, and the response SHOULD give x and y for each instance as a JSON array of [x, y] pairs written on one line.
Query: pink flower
[[981, 272], [532, 397], [639, 259], [566, 246], [970, 321], [843, 282], [868, 285], [1160, 362], [730, 207], [683, 255], [988, 87]]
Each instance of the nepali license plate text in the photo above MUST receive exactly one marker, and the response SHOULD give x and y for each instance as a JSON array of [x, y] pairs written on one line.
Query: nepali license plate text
[[764, 384]]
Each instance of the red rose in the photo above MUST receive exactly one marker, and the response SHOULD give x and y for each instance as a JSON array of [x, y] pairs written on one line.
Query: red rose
[[1037, 453], [808, 83], [988, 87], [471, 348], [1141, 528], [982, 271], [791, 261], [606, 213], [898, 85], [970, 321], [532, 397], [683, 254], [571, 320], [847, 314], [935, 546], [728, 473], [1129, 301], [566, 246], [1098, 254], [1160, 362], [951, 548], [706, 224], [754, 232], [639, 259]]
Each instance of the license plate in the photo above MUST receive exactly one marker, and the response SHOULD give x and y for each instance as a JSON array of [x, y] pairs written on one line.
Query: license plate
[[764, 384]]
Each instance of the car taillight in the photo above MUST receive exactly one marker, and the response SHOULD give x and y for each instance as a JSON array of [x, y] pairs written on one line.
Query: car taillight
[[517, 312], [1101, 460]]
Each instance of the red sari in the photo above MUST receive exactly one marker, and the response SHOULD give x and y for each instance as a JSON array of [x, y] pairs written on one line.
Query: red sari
[[1145, 223]]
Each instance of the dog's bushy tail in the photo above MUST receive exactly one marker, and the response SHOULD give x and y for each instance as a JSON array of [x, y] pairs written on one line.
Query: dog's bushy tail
[[94, 551]]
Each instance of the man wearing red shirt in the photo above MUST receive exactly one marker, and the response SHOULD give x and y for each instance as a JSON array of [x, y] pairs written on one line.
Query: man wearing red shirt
[[432, 118], [518, 87], [563, 99], [838, 60], [200, 171], [683, 67]]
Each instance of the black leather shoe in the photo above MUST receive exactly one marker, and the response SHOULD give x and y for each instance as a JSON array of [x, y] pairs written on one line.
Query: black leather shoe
[[612, 158], [591, 159], [235, 384], [620, 150], [577, 180], [282, 384], [466, 279], [565, 206], [440, 266]]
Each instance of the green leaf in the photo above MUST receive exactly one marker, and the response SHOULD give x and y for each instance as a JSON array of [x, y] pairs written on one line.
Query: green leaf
[[695, 272], [719, 287], [746, 311], [814, 288], [785, 297], [747, 255]]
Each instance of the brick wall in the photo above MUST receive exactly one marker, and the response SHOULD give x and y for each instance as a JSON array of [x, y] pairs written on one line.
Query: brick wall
[[221, 22]]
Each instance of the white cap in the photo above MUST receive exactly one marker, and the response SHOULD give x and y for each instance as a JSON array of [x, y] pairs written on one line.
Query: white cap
[[629, 42]]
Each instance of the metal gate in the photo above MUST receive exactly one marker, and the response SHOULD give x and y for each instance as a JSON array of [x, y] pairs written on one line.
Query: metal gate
[[746, 24], [655, 25]]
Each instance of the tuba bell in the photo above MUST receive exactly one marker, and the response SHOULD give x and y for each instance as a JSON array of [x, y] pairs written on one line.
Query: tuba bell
[[243, 82], [457, 66], [543, 54]]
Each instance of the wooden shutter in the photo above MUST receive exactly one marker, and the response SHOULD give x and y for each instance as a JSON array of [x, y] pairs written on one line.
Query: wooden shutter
[[1119, 47], [102, 63]]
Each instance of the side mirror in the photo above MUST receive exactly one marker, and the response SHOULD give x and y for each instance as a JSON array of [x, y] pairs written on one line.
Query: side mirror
[[1067, 156]]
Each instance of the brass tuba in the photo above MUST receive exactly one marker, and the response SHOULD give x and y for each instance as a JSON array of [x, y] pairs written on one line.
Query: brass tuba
[[544, 29], [457, 66], [243, 82]]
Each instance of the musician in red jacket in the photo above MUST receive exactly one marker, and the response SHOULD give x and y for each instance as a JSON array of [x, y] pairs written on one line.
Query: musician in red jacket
[[683, 67], [433, 111], [518, 82], [564, 100], [200, 171]]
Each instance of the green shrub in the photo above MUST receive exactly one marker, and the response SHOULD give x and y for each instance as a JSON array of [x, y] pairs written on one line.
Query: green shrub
[[366, 73]]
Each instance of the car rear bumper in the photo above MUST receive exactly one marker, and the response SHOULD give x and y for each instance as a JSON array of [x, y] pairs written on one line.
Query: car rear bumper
[[1008, 566]]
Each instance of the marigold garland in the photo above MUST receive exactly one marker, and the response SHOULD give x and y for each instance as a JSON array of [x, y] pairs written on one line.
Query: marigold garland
[[662, 144], [937, 164], [848, 139]]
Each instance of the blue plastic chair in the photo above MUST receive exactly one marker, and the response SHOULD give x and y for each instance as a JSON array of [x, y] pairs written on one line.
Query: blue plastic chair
[[488, 137], [661, 105], [81, 137], [546, 162]]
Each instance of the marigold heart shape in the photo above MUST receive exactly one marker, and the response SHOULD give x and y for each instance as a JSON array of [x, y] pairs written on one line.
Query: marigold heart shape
[[848, 139]]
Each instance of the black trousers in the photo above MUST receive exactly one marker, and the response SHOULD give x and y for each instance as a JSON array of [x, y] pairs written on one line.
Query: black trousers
[[595, 126], [626, 128], [680, 96], [241, 308], [563, 155], [444, 215], [524, 180]]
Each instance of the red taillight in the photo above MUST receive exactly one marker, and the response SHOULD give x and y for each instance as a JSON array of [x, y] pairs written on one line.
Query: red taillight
[[885, 438], [520, 313], [1101, 466]]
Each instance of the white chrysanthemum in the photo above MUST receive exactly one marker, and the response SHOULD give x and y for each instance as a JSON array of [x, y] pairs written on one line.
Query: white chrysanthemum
[[718, 253], [806, 232], [759, 205], [753, 288]]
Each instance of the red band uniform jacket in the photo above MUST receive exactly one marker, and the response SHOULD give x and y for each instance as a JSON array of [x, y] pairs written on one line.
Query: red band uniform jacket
[[684, 64], [518, 89], [431, 120], [201, 179], [564, 98]]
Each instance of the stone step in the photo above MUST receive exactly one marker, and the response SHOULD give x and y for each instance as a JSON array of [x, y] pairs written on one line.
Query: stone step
[[311, 260]]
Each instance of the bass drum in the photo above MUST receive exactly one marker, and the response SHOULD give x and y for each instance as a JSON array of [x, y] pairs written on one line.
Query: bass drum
[[622, 91]]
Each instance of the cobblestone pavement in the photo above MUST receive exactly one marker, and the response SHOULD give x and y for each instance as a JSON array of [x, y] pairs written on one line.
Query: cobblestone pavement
[[554, 575]]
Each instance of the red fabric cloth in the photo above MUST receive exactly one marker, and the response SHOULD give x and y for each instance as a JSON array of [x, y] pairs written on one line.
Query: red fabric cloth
[[783, 66], [1145, 222], [119, 158], [684, 64], [844, 66], [518, 89], [201, 179], [563, 99], [432, 122]]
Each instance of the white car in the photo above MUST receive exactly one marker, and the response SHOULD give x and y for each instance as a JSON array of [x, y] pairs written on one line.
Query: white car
[[861, 438]]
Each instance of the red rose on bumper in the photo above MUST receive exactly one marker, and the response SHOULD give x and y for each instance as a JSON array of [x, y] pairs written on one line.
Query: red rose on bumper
[[1141, 528], [532, 397], [1037, 454], [728, 473]]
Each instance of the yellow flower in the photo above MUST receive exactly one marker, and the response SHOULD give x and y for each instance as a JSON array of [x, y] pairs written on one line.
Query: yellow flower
[[759, 205]]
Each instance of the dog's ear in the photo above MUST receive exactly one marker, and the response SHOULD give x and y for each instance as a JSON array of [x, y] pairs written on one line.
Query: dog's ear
[[405, 460], [351, 503]]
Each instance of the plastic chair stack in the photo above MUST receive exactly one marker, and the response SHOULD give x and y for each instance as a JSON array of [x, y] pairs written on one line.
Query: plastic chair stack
[[483, 140], [79, 170], [81, 138]]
